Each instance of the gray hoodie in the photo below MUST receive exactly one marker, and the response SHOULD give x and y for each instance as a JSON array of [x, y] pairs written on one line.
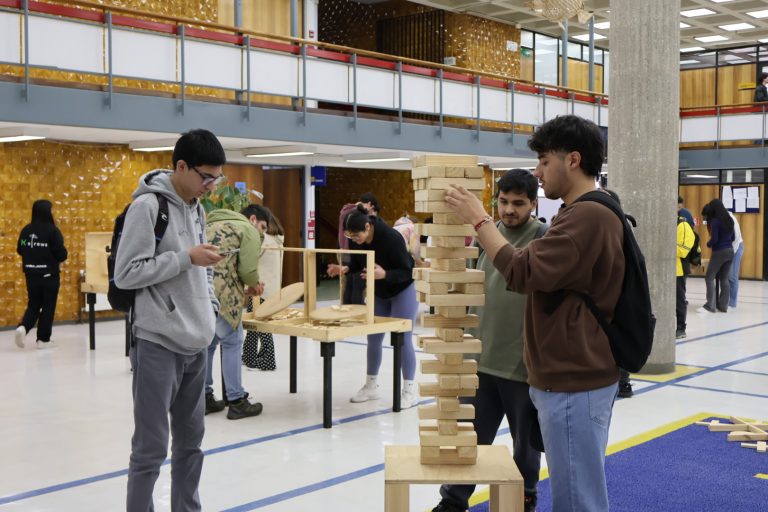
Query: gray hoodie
[[175, 303]]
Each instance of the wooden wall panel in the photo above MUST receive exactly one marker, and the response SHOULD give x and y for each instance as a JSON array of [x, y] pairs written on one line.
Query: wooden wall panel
[[526, 66], [696, 196], [252, 175], [481, 44], [283, 195], [728, 80], [578, 75], [697, 87]]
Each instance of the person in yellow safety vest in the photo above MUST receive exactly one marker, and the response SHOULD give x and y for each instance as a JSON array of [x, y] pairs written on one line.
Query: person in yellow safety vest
[[685, 240]]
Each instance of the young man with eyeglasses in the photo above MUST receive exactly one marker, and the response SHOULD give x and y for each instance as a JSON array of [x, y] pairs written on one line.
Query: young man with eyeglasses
[[174, 316]]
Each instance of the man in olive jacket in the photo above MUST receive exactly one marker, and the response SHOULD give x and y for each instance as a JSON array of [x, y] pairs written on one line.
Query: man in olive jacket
[[240, 243]]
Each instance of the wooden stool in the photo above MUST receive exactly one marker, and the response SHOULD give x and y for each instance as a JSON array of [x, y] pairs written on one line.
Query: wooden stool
[[495, 466]]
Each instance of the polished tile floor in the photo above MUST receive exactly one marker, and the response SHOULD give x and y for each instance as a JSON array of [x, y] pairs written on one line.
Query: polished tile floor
[[66, 420]]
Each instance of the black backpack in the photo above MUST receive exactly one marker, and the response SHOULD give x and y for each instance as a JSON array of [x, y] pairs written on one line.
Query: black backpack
[[631, 332], [694, 255], [120, 299]]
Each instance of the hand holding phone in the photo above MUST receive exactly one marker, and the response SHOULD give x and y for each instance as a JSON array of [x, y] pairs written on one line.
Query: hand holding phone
[[227, 252]]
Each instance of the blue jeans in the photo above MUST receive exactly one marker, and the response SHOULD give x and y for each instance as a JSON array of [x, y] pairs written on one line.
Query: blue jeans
[[733, 277], [231, 349], [574, 427]]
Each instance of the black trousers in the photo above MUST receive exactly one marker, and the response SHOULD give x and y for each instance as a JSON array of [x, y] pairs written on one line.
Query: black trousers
[[42, 292], [496, 398], [681, 309]]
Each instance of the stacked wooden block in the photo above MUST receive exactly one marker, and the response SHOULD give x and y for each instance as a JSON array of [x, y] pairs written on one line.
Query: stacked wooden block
[[450, 287]]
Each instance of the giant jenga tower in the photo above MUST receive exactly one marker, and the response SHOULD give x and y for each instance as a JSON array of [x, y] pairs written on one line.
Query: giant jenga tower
[[449, 286]]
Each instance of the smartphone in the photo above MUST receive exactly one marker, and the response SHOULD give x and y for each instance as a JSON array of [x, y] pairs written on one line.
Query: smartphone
[[228, 252]]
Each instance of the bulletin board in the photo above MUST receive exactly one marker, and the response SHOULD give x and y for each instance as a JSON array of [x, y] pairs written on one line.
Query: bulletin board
[[741, 199]]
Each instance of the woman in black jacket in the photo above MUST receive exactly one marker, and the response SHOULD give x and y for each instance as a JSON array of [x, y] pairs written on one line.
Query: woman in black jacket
[[41, 247], [761, 91]]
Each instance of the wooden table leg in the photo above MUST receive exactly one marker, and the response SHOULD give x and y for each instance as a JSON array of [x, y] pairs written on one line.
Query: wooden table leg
[[506, 498], [327, 351], [91, 300], [293, 365], [397, 340], [396, 497]]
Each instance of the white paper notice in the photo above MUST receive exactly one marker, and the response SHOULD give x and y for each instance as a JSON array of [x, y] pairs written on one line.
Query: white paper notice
[[740, 193], [728, 197], [753, 192], [740, 205], [753, 202]]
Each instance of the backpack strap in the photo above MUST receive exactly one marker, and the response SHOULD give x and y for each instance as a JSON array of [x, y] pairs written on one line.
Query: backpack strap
[[161, 223]]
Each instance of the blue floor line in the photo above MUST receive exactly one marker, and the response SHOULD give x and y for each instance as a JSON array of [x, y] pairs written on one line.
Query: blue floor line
[[747, 372], [721, 333], [350, 476]]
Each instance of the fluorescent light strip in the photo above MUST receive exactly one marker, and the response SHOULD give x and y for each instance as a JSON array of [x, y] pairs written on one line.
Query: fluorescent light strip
[[689, 61], [150, 150], [733, 27], [758, 14], [693, 13], [691, 49], [290, 153], [711, 39], [707, 176], [585, 37], [20, 138], [374, 160], [603, 25]]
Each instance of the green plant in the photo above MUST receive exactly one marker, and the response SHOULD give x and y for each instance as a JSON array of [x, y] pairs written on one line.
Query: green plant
[[225, 197]]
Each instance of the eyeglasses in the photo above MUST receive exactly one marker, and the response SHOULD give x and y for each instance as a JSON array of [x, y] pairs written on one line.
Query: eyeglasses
[[208, 179], [354, 236]]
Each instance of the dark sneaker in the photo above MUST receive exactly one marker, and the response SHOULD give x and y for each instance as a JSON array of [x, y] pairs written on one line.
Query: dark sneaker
[[243, 409], [213, 405], [680, 334], [625, 390], [447, 506], [529, 503]]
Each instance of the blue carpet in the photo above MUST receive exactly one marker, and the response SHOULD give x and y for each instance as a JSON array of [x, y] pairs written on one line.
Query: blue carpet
[[687, 470]]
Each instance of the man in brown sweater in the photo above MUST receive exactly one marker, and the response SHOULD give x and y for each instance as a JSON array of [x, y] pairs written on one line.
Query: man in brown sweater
[[571, 371]]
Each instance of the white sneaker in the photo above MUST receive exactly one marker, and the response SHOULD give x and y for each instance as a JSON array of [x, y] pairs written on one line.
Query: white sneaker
[[408, 398], [43, 345], [21, 332], [366, 393]]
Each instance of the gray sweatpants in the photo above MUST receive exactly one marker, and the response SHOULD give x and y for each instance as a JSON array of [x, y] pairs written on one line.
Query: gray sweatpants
[[164, 383]]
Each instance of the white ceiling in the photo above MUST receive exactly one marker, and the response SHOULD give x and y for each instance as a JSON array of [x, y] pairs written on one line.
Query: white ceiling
[[325, 154], [726, 12]]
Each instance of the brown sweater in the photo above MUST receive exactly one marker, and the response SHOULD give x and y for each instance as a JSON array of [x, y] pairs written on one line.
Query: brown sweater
[[567, 350]]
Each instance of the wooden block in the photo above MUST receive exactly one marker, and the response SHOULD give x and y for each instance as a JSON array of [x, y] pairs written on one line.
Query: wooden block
[[429, 171], [438, 194], [461, 230], [427, 389], [430, 451], [474, 172], [467, 366], [440, 276], [433, 412], [469, 288], [445, 183], [425, 287], [443, 160], [447, 218], [434, 428], [450, 358], [467, 452], [451, 335], [432, 345], [447, 427], [462, 171], [440, 321], [449, 265], [431, 207], [451, 311], [449, 252], [448, 456], [454, 299], [433, 438], [448, 381], [747, 436], [450, 404], [469, 381], [449, 241], [421, 297]]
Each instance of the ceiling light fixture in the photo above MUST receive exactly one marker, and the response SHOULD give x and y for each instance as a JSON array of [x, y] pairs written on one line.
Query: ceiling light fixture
[[585, 37], [758, 14], [152, 145], [689, 61], [278, 151], [21, 133], [711, 39], [693, 13], [684, 25], [603, 25], [691, 49], [733, 27]]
